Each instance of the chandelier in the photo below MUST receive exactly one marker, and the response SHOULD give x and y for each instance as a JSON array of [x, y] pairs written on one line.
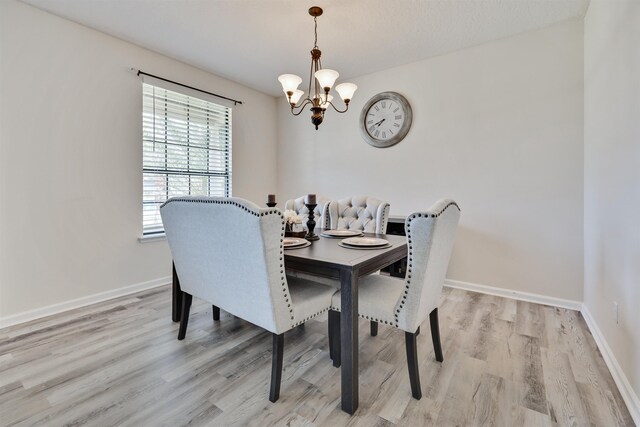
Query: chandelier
[[324, 80]]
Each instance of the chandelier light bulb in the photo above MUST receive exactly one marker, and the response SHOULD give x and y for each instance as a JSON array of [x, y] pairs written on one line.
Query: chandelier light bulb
[[290, 82], [297, 94], [326, 78], [324, 98], [346, 91]]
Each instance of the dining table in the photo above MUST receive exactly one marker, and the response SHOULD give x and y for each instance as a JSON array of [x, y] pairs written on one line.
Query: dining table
[[326, 258]]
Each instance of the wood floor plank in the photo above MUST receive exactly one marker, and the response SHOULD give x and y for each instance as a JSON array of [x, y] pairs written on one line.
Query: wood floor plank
[[508, 309], [564, 402], [487, 399], [395, 397], [505, 363], [457, 407], [530, 321], [501, 355], [533, 379]]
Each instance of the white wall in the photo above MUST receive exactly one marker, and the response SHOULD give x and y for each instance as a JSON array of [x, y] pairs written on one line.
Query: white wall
[[497, 127], [612, 177], [71, 158]]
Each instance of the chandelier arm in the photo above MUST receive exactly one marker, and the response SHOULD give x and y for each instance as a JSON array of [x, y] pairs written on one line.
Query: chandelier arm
[[317, 84], [300, 108], [335, 108]]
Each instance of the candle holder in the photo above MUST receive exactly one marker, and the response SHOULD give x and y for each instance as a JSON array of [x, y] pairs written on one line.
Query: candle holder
[[311, 223], [271, 204]]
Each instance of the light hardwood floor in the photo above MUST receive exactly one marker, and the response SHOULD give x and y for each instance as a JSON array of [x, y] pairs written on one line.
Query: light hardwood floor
[[507, 363]]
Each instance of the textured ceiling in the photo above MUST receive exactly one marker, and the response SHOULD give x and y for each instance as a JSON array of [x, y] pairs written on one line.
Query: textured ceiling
[[254, 41]]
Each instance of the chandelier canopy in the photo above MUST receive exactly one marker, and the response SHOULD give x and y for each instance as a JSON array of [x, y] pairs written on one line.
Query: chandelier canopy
[[322, 83]]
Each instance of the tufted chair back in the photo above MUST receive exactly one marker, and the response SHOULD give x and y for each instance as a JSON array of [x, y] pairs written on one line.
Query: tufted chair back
[[321, 212], [430, 237], [359, 213], [229, 252]]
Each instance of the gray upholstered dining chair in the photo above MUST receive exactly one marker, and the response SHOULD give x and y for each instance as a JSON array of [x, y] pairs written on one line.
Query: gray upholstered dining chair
[[359, 213], [229, 252], [321, 212], [406, 303]]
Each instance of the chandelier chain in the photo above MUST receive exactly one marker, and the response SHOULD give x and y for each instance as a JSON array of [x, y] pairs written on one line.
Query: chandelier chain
[[315, 31]]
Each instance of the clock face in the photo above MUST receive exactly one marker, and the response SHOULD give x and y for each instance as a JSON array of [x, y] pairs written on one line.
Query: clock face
[[385, 119]]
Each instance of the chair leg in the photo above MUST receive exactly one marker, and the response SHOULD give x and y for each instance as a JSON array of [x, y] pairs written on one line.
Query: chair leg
[[412, 362], [216, 312], [334, 337], [435, 334], [330, 334], [374, 328], [184, 319], [276, 366]]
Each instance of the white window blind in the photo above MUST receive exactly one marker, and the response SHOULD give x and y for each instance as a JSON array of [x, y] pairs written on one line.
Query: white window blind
[[186, 150]]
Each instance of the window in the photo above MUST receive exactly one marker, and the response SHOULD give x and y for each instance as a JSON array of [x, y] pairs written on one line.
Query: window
[[186, 150]]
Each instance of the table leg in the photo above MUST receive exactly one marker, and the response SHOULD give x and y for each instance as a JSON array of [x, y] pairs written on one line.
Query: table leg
[[176, 300], [398, 268], [349, 338]]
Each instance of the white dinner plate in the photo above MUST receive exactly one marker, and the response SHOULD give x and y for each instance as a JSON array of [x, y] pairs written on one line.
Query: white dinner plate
[[304, 245], [292, 242], [365, 242], [359, 248], [340, 233]]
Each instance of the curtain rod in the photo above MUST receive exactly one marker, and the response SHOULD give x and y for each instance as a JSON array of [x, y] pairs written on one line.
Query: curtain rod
[[235, 101]]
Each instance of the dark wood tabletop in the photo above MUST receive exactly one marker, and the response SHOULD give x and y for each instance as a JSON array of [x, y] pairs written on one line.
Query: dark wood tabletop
[[327, 259], [326, 253]]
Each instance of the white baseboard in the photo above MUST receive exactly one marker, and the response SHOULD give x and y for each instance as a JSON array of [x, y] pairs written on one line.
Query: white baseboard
[[49, 310], [627, 392], [517, 295]]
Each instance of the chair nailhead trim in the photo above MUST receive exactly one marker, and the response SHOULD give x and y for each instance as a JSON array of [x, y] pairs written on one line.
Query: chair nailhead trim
[[309, 318]]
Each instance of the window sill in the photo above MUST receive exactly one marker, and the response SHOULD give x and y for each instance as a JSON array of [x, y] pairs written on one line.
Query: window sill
[[150, 238]]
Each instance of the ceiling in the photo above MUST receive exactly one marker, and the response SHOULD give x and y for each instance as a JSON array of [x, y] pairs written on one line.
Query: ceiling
[[253, 41]]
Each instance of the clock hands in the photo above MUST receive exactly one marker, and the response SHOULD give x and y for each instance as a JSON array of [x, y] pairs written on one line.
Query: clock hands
[[379, 123]]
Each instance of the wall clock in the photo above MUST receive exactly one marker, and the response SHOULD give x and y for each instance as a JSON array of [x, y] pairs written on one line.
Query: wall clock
[[385, 119]]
